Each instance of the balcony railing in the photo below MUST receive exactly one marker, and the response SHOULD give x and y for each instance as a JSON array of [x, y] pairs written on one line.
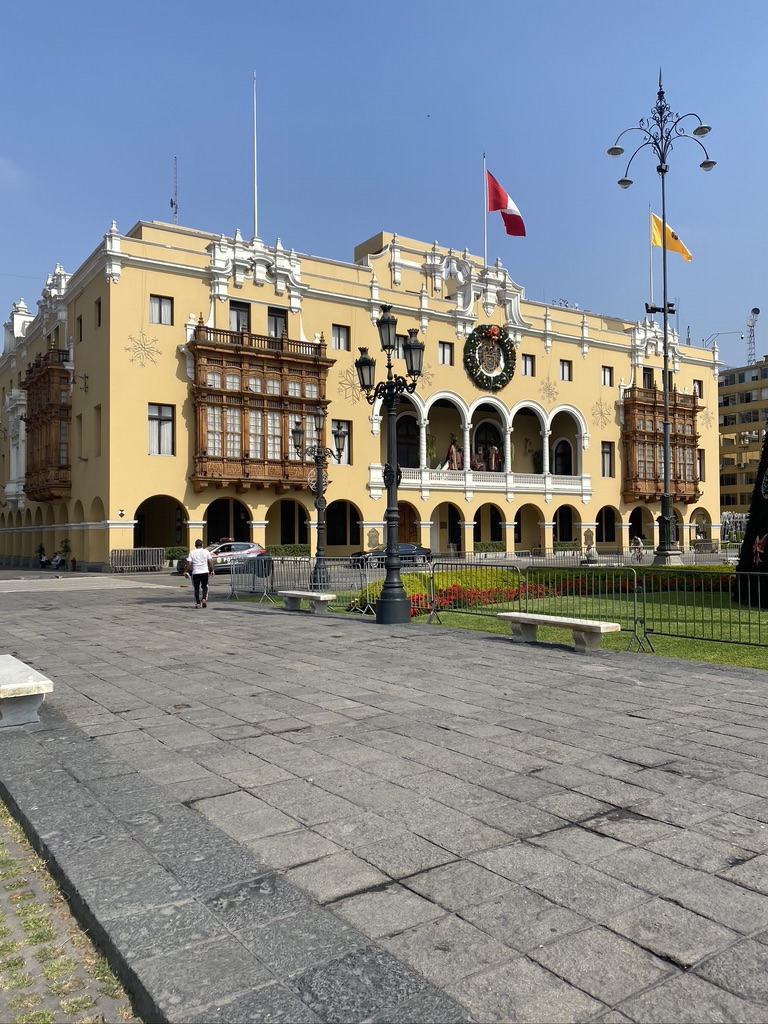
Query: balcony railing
[[469, 481], [654, 396], [283, 346]]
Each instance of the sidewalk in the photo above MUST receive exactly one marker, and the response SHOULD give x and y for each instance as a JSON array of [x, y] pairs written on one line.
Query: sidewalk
[[272, 816]]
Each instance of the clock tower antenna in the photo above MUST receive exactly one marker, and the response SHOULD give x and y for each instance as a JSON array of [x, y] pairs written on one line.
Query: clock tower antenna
[[175, 196]]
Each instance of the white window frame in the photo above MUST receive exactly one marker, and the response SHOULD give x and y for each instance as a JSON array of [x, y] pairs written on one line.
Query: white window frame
[[445, 353], [161, 310], [607, 459], [340, 338], [255, 436], [274, 435], [233, 426], [213, 431], [160, 432]]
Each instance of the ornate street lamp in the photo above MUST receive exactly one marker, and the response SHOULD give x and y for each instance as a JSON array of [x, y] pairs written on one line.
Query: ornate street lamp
[[393, 605], [659, 132], [319, 579]]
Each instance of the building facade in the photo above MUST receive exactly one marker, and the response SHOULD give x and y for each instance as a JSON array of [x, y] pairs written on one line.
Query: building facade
[[743, 417], [150, 400]]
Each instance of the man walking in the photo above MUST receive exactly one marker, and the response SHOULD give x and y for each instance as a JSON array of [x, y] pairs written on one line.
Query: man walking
[[200, 567]]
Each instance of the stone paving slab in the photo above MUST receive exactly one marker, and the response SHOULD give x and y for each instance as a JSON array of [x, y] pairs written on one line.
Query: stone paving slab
[[391, 823]]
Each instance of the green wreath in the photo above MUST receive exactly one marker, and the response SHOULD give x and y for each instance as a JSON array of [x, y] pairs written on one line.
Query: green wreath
[[489, 336]]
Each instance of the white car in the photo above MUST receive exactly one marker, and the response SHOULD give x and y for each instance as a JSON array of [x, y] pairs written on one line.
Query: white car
[[223, 553]]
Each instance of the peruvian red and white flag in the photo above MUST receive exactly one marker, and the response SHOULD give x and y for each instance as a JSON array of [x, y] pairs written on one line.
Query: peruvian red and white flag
[[499, 200]]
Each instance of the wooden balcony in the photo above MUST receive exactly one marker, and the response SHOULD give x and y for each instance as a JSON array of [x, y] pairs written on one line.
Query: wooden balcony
[[244, 474], [655, 397], [637, 489], [48, 484], [284, 346]]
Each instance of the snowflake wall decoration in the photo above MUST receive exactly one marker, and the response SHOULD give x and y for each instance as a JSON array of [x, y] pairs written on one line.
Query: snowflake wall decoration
[[548, 390], [349, 385], [143, 349], [601, 414], [706, 418]]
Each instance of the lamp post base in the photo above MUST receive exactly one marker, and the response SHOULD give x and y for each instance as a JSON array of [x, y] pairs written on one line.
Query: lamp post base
[[670, 557], [393, 608]]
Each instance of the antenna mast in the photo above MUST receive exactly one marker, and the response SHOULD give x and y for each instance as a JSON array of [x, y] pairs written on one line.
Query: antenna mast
[[175, 196], [753, 315]]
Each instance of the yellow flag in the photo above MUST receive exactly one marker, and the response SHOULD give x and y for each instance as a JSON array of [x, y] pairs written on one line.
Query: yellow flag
[[673, 242]]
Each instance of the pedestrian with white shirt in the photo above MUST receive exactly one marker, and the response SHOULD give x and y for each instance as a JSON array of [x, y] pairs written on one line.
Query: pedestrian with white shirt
[[200, 567]]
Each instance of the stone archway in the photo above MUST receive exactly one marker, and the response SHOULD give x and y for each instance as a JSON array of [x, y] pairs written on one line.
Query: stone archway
[[227, 517], [160, 523]]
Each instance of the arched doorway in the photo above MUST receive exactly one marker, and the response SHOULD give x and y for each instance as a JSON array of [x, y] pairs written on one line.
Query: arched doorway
[[487, 447], [287, 523], [640, 523], [227, 517], [407, 524], [408, 442], [160, 523], [529, 531], [605, 525], [446, 529], [563, 459], [563, 523], [488, 525], [342, 524]]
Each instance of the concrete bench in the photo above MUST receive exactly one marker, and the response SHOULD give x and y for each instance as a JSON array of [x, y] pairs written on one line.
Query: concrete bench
[[22, 691], [587, 633], [317, 601]]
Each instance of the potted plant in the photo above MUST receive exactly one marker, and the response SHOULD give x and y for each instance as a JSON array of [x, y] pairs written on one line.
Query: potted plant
[[65, 550], [40, 549]]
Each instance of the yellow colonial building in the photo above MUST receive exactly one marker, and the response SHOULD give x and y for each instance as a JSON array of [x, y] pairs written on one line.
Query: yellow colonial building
[[150, 399]]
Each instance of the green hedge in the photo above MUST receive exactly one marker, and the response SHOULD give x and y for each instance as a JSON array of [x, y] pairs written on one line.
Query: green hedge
[[289, 550], [172, 553]]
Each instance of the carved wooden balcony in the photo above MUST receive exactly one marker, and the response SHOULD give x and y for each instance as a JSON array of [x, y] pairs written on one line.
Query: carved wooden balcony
[[217, 471]]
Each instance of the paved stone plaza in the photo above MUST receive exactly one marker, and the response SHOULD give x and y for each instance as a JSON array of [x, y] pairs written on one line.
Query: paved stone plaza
[[272, 816]]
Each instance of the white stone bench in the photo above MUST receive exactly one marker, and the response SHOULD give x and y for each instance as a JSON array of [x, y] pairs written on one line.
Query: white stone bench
[[22, 691], [587, 633], [317, 601]]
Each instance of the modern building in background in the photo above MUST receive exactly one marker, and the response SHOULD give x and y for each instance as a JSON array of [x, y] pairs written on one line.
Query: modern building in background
[[150, 400], [743, 416]]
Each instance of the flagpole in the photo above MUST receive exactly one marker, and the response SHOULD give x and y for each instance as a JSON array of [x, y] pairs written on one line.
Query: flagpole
[[255, 190], [650, 256], [485, 215]]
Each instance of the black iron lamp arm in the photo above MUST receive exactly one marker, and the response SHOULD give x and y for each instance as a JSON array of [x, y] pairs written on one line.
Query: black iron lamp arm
[[397, 385], [317, 451]]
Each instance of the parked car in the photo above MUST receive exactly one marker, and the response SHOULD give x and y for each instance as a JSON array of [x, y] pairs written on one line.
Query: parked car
[[223, 553], [410, 554]]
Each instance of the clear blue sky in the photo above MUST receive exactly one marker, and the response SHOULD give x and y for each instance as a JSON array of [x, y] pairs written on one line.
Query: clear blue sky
[[374, 117]]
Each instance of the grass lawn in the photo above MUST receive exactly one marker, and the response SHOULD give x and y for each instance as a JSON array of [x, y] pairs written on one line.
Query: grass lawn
[[744, 655]]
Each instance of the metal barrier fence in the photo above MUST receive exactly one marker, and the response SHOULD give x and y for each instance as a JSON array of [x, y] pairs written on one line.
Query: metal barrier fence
[[607, 593], [683, 602], [471, 587], [706, 606], [702, 553], [265, 576], [137, 559]]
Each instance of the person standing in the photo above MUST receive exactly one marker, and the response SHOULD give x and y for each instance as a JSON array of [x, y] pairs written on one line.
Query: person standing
[[200, 567]]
